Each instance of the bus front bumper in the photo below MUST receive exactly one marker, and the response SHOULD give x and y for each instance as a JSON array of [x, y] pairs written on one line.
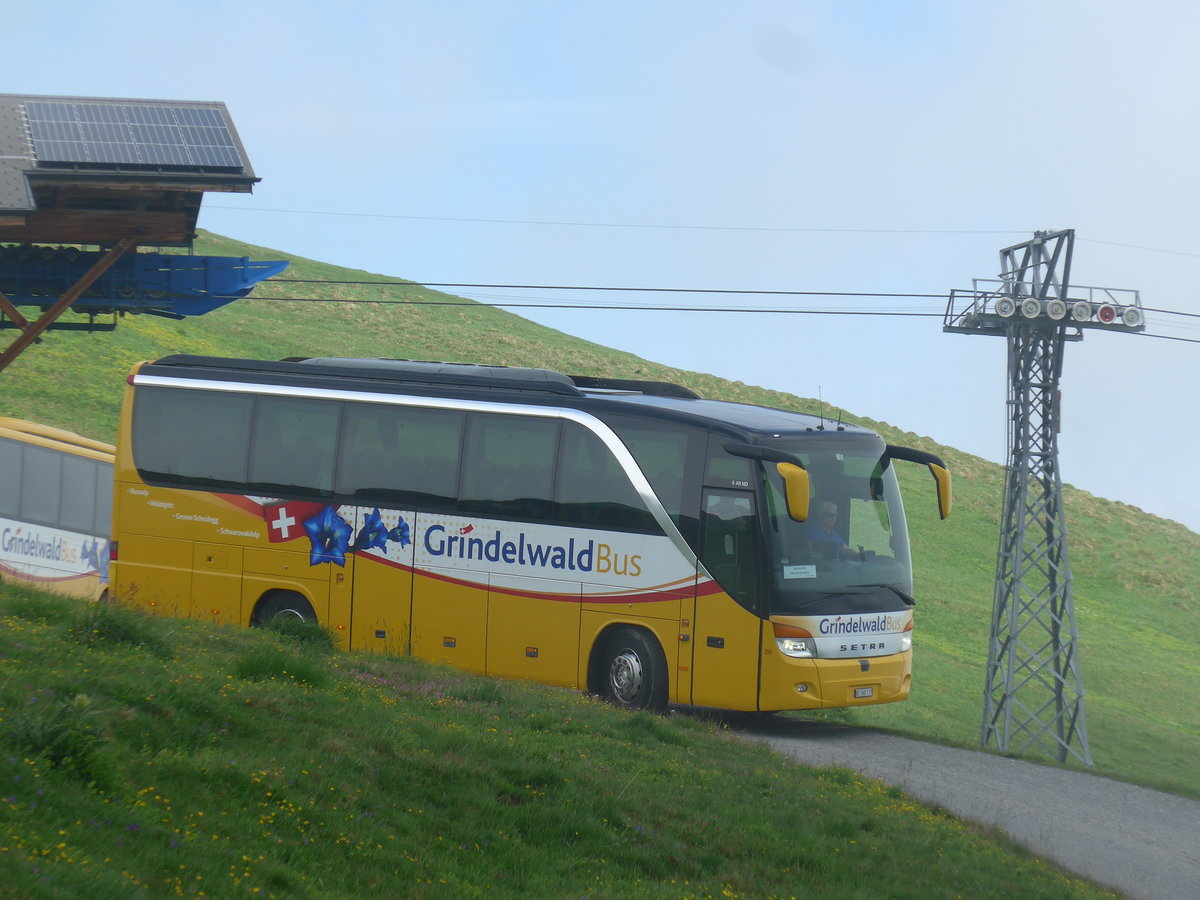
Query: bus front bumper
[[828, 683]]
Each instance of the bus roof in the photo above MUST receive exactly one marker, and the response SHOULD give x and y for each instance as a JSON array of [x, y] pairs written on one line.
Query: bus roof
[[525, 385], [759, 420]]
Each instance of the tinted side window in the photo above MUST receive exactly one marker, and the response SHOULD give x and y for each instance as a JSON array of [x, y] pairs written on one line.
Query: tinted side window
[[400, 454], [671, 455], [509, 466], [731, 544], [43, 486], [104, 497], [78, 494], [662, 456], [10, 477], [593, 489], [723, 470], [293, 447], [53, 488], [191, 436]]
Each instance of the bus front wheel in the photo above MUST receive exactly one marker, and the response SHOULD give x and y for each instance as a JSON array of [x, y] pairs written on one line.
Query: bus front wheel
[[283, 605], [634, 671]]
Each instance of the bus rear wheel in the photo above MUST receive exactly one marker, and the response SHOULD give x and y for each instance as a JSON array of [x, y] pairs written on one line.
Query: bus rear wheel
[[279, 606], [634, 671]]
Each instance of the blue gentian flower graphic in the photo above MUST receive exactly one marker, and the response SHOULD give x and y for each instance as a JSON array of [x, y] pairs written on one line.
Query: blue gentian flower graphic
[[330, 536], [103, 567], [401, 533], [373, 534]]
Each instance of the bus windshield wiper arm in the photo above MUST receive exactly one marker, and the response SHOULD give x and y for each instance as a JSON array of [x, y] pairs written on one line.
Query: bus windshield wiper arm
[[817, 599], [909, 601]]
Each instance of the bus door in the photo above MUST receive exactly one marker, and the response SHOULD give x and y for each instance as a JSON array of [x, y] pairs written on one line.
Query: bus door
[[726, 633]]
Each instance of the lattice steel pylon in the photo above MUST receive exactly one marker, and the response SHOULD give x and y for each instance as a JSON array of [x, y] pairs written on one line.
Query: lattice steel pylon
[[1033, 696], [1034, 691]]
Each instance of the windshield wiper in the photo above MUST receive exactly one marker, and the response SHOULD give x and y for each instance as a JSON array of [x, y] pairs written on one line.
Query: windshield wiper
[[820, 598], [910, 601]]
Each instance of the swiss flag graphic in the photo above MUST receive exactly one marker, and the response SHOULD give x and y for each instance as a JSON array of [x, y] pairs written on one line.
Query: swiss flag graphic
[[285, 521]]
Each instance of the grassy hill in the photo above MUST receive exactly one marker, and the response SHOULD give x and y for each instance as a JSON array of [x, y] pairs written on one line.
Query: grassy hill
[[1136, 575], [146, 758]]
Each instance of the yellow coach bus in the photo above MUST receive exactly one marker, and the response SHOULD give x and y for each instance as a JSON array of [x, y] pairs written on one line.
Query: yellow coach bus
[[623, 537], [55, 508]]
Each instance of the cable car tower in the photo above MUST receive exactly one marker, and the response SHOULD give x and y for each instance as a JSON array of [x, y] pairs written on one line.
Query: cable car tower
[[1033, 697]]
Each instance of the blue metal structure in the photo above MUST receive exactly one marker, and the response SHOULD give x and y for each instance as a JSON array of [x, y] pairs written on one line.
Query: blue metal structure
[[160, 284]]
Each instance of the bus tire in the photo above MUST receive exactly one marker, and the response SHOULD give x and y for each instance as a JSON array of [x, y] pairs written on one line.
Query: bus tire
[[276, 605], [633, 671]]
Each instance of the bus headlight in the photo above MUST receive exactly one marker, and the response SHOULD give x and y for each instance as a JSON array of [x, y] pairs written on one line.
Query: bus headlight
[[794, 641], [906, 641], [804, 647]]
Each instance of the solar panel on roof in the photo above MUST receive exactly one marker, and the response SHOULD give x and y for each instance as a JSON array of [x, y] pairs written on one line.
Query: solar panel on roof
[[132, 134]]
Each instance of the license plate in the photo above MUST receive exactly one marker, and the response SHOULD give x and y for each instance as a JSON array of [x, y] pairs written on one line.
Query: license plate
[[859, 693]]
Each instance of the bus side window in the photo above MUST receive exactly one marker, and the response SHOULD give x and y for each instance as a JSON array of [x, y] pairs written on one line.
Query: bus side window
[[79, 493], [727, 471], [509, 466], [593, 489], [198, 437], [104, 498], [400, 454], [425, 451], [670, 456], [362, 457], [293, 445], [10, 486], [43, 486]]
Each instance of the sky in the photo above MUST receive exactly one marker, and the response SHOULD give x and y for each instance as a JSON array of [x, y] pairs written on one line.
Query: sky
[[831, 145]]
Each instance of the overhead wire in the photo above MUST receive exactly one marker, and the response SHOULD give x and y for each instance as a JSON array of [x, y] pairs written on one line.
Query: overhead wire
[[527, 303], [1170, 312], [684, 227], [572, 287], [495, 298], [666, 308], [653, 225], [1168, 337], [1141, 247], [512, 303], [605, 306]]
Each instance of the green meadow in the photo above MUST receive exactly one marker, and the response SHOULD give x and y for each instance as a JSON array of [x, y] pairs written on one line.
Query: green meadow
[[148, 758], [1135, 597]]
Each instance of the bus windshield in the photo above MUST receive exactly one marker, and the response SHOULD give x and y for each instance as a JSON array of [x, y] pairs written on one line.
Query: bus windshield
[[851, 555]]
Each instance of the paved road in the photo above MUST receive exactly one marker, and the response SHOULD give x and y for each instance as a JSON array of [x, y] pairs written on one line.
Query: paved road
[[1141, 842]]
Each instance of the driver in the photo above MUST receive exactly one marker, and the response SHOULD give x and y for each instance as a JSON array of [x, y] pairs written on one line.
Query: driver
[[826, 540]]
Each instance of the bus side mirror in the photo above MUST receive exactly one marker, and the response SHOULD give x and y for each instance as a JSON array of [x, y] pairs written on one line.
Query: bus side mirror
[[941, 475], [796, 489]]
